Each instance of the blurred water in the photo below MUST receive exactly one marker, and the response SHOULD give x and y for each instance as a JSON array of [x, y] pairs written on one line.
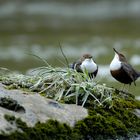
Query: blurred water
[[36, 27], [95, 27], [100, 9]]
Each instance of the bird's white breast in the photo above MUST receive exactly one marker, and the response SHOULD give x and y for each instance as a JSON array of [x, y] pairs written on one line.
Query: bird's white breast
[[89, 65], [115, 64]]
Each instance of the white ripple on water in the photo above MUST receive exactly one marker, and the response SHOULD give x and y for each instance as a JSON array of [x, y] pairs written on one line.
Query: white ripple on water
[[94, 10], [77, 52], [13, 53], [138, 97], [103, 70], [20, 53], [135, 60]]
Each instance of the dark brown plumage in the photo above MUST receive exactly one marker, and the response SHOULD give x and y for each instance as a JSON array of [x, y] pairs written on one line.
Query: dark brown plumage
[[122, 71]]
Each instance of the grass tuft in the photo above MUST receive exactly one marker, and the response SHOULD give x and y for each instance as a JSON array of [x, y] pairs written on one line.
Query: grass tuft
[[62, 84]]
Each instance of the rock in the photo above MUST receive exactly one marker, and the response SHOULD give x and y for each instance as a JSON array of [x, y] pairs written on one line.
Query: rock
[[35, 108]]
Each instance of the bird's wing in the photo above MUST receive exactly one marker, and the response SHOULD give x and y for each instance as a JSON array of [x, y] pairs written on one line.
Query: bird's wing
[[95, 73], [130, 71], [76, 66]]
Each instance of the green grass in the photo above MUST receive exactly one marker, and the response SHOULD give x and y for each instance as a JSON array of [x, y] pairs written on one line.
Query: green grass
[[64, 85]]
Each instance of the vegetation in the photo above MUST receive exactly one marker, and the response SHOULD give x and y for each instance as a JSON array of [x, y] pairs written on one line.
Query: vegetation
[[64, 85], [111, 112], [118, 122]]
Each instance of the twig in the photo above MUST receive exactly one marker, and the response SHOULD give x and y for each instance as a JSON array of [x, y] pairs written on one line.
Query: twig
[[66, 60]]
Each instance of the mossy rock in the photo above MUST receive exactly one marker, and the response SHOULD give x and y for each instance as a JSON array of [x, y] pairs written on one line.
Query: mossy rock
[[113, 119], [102, 123], [51, 130], [114, 122]]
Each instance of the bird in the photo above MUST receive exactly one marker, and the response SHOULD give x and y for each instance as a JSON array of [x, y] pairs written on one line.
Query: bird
[[86, 63], [122, 71]]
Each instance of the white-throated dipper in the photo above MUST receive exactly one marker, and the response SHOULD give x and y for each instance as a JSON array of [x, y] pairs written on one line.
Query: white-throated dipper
[[122, 71], [86, 63]]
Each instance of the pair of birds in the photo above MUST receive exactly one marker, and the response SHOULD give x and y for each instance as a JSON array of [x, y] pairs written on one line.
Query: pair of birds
[[120, 69]]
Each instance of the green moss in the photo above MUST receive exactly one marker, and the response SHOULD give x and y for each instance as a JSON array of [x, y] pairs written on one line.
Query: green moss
[[9, 118], [117, 121], [51, 130], [98, 126], [102, 123]]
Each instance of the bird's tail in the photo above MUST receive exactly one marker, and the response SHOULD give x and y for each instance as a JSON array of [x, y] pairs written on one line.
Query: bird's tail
[[138, 74]]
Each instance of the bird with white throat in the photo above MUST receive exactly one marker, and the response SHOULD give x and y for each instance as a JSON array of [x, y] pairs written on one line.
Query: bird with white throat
[[121, 70], [86, 63]]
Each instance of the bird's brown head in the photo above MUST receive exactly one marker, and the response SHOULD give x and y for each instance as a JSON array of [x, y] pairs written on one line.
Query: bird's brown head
[[120, 55], [87, 56]]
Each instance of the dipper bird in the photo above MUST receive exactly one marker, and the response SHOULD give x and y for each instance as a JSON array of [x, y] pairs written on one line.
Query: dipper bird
[[86, 63], [122, 71]]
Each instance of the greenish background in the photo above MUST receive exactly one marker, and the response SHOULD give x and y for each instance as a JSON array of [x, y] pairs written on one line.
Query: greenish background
[[37, 27]]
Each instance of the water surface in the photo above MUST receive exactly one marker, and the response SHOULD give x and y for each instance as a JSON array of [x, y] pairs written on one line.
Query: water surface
[[29, 27]]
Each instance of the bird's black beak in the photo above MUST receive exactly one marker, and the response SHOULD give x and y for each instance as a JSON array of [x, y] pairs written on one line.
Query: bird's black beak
[[115, 51]]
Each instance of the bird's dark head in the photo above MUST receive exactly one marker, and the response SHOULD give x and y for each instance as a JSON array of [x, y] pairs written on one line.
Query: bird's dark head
[[87, 56], [120, 55]]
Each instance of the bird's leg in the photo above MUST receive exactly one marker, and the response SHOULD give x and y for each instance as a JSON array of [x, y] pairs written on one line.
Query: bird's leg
[[128, 88], [91, 75], [122, 88]]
